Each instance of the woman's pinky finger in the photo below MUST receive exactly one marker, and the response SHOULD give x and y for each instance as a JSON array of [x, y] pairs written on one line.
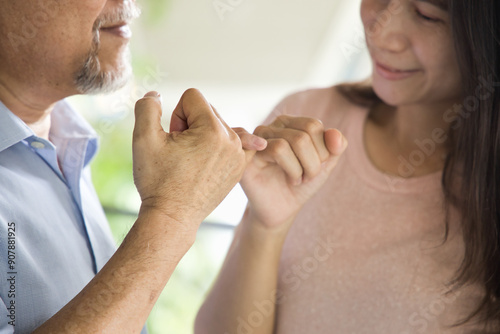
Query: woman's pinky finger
[[279, 152], [250, 141]]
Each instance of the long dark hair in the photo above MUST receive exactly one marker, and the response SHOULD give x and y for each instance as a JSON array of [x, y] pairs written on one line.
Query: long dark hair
[[476, 33], [475, 151]]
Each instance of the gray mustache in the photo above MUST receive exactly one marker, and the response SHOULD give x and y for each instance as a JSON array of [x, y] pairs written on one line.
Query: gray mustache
[[126, 13]]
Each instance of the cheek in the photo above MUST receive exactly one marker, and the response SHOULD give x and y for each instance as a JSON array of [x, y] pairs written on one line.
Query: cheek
[[75, 21], [438, 58], [437, 53], [76, 18], [64, 41], [82, 14]]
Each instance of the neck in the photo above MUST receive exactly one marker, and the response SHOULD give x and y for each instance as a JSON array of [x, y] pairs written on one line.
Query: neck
[[406, 125], [417, 134], [36, 115]]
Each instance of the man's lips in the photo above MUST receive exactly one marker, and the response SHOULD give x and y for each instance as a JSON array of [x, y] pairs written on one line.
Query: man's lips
[[120, 30], [392, 73]]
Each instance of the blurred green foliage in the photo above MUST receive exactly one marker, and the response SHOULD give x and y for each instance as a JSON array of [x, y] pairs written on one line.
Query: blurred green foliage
[[154, 11], [112, 168]]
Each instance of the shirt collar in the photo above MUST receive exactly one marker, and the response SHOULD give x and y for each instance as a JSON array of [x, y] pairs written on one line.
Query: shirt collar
[[12, 128], [66, 124]]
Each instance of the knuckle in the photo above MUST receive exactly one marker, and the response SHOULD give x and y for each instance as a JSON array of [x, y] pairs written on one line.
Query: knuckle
[[279, 146], [213, 125], [236, 145], [281, 119], [234, 135], [217, 137], [314, 126], [263, 131], [302, 139], [221, 139]]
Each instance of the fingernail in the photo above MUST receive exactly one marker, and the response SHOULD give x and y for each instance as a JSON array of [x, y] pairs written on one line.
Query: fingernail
[[260, 142], [152, 94]]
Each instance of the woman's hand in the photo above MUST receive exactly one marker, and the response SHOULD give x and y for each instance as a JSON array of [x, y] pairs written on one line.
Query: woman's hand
[[299, 157]]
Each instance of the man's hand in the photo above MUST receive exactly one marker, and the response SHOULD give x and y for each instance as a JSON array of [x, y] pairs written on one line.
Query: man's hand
[[186, 173], [299, 157]]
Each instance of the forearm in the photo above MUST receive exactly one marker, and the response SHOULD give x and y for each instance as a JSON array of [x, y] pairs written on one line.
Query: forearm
[[246, 290], [121, 296]]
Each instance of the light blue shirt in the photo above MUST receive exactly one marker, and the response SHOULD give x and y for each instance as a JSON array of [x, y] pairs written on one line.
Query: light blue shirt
[[50, 218]]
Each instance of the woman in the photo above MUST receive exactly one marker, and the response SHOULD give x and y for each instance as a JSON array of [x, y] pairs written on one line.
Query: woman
[[400, 233]]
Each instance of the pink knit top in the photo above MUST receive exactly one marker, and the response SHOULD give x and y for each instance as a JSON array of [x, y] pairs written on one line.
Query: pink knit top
[[365, 255]]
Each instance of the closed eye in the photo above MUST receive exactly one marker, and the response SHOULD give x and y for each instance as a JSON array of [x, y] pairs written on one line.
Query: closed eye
[[426, 18]]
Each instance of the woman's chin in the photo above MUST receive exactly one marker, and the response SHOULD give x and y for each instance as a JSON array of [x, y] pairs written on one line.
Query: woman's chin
[[390, 94]]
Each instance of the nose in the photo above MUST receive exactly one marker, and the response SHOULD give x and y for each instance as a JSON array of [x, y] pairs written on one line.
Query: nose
[[387, 33]]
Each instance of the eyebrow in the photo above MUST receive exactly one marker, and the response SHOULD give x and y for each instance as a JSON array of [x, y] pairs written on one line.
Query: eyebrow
[[441, 4]]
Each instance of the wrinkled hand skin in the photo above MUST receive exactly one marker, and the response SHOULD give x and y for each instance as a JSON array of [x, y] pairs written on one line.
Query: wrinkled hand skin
[[187, 172], [299, 157]]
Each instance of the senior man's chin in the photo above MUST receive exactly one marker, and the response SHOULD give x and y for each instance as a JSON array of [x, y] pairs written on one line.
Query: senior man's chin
[[105, 72]]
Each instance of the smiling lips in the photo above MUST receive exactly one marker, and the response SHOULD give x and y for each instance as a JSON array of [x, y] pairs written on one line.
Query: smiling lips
[[393, 74], [121, 29]]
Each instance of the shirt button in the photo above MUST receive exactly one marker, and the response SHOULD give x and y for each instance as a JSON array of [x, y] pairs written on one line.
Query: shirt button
[[37, 144]]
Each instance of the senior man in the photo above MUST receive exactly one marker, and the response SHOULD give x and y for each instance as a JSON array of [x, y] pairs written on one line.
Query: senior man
[[54, 240]]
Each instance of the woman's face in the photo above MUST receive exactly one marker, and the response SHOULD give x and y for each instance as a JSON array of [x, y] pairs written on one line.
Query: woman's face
[[411, 47]]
